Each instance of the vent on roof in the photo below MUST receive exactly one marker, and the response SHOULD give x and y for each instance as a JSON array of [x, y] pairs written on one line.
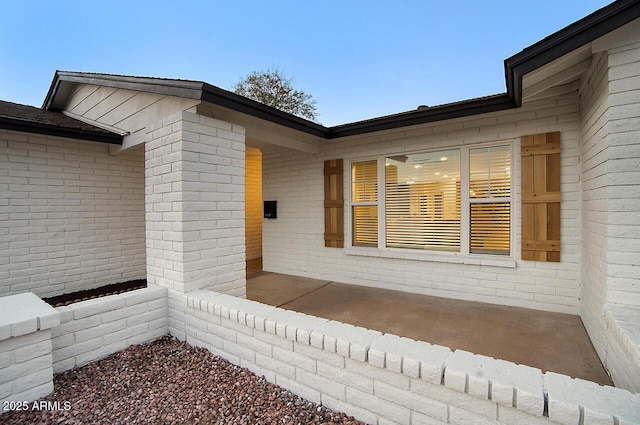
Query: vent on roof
[[422, 107]]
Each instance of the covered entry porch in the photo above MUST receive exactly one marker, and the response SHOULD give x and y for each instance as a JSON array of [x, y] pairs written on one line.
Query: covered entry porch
[[553, 342]]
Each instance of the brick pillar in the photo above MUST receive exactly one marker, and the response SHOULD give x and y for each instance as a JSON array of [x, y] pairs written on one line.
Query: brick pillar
[[195, 204]]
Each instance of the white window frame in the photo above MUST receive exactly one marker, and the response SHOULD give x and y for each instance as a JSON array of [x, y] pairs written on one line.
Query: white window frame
[[375, 203], [464, 256]]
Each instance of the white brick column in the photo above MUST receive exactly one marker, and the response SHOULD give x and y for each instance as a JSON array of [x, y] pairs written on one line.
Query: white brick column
[[623, 150], [195, 204]]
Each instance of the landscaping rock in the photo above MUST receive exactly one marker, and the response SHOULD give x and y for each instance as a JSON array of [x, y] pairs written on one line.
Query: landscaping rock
[[169, 382]]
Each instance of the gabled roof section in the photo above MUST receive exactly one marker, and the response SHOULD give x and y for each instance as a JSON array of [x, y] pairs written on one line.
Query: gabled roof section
[[572, 37], [533, 57], [63, 83], [17, 117]]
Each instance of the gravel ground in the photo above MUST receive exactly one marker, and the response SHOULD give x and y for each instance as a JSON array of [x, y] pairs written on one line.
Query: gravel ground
[[170, 382]]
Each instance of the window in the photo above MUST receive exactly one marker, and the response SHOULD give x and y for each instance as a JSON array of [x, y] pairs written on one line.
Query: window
[[454, 200], [490, 200], [364, 201], [422, 201]]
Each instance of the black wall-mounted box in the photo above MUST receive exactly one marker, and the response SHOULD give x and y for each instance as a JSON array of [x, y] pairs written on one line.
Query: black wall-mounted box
[[270, 209]]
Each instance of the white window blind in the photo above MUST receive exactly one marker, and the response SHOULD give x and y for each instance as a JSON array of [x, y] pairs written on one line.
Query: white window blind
[[422, 201], [456, 200], [490, 200], [364, 201]]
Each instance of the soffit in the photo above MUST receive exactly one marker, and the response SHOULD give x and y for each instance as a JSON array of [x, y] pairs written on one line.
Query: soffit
[[261, 133], [558, 77]]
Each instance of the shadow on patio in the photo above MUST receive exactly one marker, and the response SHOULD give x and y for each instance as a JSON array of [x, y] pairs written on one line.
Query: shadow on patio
[[549, 341]]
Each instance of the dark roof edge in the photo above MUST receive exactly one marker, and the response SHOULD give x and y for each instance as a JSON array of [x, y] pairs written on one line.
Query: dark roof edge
[[571, 37], [52, 130], [187, 89], [438, 113], [248, 106], [170, 87], [550, 48]]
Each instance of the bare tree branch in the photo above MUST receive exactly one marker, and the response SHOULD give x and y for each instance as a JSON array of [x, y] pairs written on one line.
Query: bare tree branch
[[275, 89]]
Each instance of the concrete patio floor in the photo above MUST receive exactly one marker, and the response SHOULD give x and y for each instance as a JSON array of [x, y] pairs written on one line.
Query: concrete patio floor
[[549, 341]]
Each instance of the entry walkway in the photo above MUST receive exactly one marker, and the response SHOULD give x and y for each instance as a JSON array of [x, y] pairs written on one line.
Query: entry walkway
[[549, 341]]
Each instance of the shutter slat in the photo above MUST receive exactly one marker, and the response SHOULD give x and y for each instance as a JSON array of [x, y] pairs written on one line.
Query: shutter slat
[[333, 204], [550, 245], [540, 166], [544, 149], [540, 197]]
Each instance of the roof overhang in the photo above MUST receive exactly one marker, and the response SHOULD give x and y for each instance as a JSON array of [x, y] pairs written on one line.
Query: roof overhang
[[549, 49], [565, 41], [64, 82], [58, 131]]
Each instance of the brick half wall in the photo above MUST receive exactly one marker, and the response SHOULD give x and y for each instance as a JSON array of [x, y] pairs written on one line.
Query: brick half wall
[[387, 379], [93, 329]]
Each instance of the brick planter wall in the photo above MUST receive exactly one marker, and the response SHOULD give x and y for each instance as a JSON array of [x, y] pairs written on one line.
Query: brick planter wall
[[386, 379], [93, 329]]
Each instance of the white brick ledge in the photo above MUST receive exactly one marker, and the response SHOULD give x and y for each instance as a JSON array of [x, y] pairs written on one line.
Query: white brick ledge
[[623, 345], [25, 313], [524, 388], [25, 348]]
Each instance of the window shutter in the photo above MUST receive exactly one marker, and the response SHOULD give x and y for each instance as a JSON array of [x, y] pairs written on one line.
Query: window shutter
[[540, 165], [333, 204]]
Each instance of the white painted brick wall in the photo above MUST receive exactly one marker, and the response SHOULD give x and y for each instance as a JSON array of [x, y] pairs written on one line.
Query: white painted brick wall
[[93, 329], [71, 215], [195, 204], [469, 388], [253, 203], [294, 244], [623, 126], [610, 251], [594, 103], [25, 367]]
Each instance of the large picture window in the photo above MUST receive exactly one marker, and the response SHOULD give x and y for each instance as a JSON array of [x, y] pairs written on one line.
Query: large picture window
[[455, 200], [422, 201]]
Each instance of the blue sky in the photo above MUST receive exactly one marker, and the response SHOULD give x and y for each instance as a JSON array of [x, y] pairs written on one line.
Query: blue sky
[[359, 59]]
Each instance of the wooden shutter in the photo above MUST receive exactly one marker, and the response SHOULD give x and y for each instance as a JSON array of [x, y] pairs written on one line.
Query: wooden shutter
[[540, 165], [333, 204]]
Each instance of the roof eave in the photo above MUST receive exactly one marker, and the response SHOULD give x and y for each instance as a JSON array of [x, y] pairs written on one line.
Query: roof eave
[[248, 106], [539, 54], [52, 130], [179, 88], [186, 89], [440, 113], [566, 40]]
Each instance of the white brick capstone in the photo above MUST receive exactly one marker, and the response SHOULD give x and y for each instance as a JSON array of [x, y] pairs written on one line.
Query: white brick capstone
[[24, 314], [599, 404], [348, 340], [504, 382], [410, 357]]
